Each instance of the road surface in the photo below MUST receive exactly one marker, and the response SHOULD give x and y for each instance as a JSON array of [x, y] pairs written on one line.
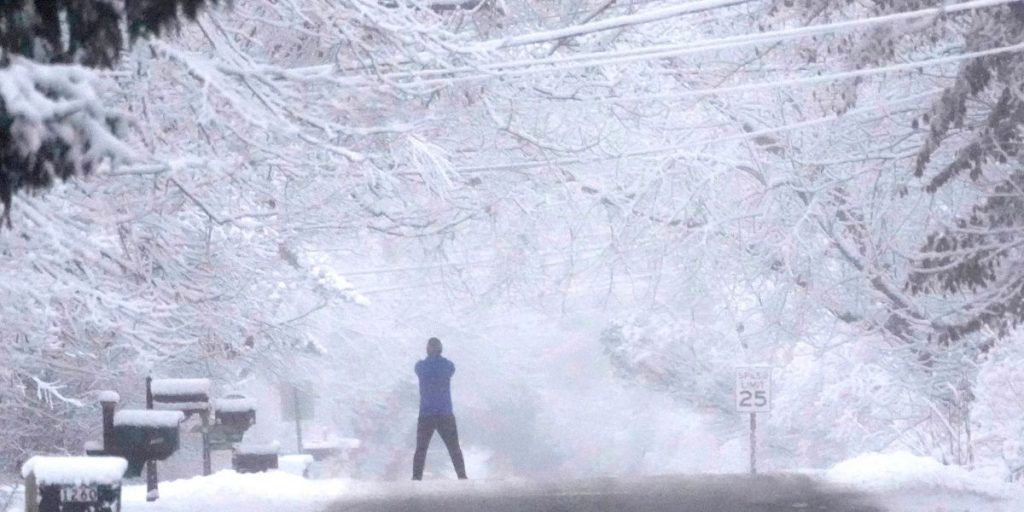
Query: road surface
[[789, 493]]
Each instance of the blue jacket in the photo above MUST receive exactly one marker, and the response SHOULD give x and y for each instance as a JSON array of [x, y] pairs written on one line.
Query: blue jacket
[[435, 373]]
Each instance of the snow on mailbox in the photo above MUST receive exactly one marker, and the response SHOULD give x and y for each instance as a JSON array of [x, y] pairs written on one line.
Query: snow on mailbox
[[235, 410], [73, 484], [142, 435], [187, 395]]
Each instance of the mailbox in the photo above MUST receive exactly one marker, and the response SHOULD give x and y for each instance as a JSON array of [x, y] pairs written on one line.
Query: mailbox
[[190, 396], [255, 458], [236, 412], [73, 484], [145, 435]]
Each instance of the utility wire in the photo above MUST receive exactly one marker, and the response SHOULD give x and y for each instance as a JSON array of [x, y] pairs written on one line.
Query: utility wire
[[530, 164], [440, 77], [563, 63]]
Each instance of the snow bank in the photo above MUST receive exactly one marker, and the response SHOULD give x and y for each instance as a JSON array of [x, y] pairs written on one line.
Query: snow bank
[[227, 491], [148, 418], [295, 464], [905, 472], [75, 470], [181, 387]]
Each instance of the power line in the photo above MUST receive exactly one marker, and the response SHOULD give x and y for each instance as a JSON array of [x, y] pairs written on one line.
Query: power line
[[523, 20], [831, 77], [438, 77], [716, 140], [564, 63], [654, 15]]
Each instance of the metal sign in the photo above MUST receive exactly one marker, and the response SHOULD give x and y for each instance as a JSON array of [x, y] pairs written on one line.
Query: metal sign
[[754, 389], [296, 404]]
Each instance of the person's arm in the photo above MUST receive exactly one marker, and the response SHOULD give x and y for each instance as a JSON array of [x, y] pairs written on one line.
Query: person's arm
[[451, 368], [418, 367]]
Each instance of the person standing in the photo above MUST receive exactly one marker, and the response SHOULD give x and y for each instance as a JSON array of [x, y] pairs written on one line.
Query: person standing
[[435, 376]]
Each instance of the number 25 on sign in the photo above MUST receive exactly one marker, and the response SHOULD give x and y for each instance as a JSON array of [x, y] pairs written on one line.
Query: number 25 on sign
[[753, 389]]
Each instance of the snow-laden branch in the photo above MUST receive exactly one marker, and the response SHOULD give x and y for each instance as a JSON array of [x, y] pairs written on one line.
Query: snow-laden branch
[[56, 127]]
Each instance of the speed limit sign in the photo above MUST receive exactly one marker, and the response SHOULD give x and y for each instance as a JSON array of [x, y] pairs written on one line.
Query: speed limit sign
[[753, 389]]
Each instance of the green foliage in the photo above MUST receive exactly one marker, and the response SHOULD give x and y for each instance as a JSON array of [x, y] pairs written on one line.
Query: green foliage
[[977, 121]]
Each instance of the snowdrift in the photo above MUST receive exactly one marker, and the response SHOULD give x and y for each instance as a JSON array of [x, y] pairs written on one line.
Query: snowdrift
[[228, 491], [902, 472]]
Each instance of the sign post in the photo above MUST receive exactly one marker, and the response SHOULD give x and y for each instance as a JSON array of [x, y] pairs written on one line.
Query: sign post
[[298, 418], [297, 406], [753, 395]]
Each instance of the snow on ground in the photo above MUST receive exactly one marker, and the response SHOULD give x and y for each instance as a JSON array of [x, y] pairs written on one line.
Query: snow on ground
[[225, 491], [900, 482], [902, 471], [911, 483], [228, 491]]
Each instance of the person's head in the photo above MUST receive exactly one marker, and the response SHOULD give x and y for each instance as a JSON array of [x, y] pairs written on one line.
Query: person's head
[[434, 347]]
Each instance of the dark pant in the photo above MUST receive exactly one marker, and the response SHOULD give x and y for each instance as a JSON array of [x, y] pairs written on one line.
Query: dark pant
[[445, 425]]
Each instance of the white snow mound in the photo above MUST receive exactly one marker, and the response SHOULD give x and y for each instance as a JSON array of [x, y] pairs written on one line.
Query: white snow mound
[[295, 464], [227, 491], [902, 471]]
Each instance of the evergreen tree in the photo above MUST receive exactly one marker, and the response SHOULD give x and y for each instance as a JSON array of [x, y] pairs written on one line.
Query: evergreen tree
[[51, 124]]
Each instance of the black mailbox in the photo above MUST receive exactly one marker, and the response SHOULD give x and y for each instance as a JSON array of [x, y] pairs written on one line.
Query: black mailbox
[[73, 484], [236, 412], [191, 396], [145, 435], [255, 459], [233, 415]]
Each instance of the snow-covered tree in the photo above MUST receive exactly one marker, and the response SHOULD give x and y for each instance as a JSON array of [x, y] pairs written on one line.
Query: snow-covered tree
[[53, 124]]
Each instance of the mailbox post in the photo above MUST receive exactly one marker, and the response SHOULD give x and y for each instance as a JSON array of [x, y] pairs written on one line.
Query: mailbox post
[[73, 484]]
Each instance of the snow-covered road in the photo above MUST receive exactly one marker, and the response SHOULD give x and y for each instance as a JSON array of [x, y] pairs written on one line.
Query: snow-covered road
[[896, 482], [713, 493], [279, 492]]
